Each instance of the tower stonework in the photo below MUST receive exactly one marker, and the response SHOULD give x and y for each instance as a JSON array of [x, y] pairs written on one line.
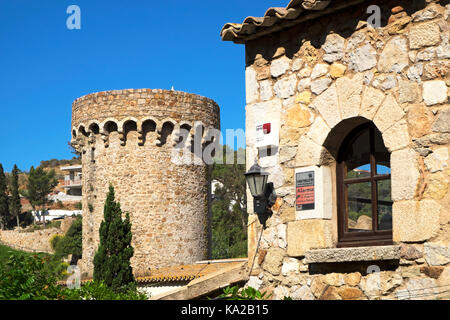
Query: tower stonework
[[127, 138]]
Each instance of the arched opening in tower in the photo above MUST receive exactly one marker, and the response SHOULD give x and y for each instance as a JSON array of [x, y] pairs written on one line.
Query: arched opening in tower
[[148, 127], [129, 127], [94, 128], [166, 131]]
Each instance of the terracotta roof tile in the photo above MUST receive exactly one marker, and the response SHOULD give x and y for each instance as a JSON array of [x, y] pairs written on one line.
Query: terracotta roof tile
[[277, 18], [181, 272]]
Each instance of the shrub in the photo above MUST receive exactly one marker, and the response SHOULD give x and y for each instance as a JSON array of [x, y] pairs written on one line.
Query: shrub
[[53, 224], [55, 240], [71, 242], [30, 277], [249, 293], [79, 206], [95, 290]]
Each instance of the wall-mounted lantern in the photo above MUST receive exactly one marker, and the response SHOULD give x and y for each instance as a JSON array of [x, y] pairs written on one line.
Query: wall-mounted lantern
[[263, 193]]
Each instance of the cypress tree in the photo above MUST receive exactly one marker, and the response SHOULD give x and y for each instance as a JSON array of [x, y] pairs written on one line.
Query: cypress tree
[[15, 205], [4, 205], [112, 260], [31, 192]]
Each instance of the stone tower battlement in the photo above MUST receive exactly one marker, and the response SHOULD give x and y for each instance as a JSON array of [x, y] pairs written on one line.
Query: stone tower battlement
[[126, 138]]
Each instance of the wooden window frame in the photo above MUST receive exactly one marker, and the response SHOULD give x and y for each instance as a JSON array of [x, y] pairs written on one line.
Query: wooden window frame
[[369, 238]]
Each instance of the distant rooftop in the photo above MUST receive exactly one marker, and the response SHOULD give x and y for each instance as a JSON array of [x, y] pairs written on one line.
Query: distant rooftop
[[71, 168]]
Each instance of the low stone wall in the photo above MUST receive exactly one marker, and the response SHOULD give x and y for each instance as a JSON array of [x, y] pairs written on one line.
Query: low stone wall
[[399, 272], [37, 241]]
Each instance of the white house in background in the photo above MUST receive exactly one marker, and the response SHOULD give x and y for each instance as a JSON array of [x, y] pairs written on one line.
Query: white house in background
[[72, 180], [55, 214]]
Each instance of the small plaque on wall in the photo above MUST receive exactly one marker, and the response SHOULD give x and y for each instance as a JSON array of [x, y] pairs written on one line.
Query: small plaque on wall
[[313, 193], [304, 190]]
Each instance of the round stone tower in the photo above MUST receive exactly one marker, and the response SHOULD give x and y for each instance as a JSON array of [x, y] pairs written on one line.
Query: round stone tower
[[128, 138]]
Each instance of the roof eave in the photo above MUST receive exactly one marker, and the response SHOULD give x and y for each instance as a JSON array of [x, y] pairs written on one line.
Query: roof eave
[[234, 32]]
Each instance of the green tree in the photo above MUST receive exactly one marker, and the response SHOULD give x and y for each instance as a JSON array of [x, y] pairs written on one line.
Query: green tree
[[71, 242], [4, 201], [26, 276], [40, 184], [31, 191], [112, 260], [14, 205], [229, 208]]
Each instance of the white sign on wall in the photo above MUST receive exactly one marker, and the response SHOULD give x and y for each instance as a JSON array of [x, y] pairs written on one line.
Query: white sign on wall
[[267, 135], [313, 193]]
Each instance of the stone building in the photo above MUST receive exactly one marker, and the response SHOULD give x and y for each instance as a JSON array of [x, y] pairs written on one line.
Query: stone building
[[130, 139], [356, 95]]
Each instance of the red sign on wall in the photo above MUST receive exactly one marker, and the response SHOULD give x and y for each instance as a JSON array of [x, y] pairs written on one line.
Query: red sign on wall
[[304, 182]]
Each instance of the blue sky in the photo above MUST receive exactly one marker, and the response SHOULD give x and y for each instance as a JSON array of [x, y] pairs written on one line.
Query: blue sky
[[122, 44]]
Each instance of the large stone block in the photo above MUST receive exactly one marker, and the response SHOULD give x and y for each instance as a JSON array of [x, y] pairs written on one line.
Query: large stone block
[[437, 160], [309, 153], [437, 186], [319, 131], [437, 253], [363, 58], [274, 260], [442, 123], [251, 85], [397, 136], [301, 293], [434, 92], [336, 255], [290, 266], [286, 87], [320, 85], [405, 174], [408, 91], [419, 289], [334, 48], [328, 106], [304, 235], [349, 92], [430, 12], [319, 70], [394, 57], [298, 116], [388, 114], [424, 35], [266, 92], [415, 221], [419, 120], [371, 101], [279, 66], [337, 70]]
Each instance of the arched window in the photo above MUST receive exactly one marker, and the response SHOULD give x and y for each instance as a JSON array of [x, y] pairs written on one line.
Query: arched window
[[364, 189]]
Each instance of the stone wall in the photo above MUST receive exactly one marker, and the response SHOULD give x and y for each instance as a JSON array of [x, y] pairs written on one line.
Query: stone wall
[[37, 241], [127, 139], [318, 80]]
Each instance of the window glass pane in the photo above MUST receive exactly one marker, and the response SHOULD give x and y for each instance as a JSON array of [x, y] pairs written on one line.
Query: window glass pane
[[383, 169], [382, 155], [384, 205], [359, 207], [360, 172], [358, 157]]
